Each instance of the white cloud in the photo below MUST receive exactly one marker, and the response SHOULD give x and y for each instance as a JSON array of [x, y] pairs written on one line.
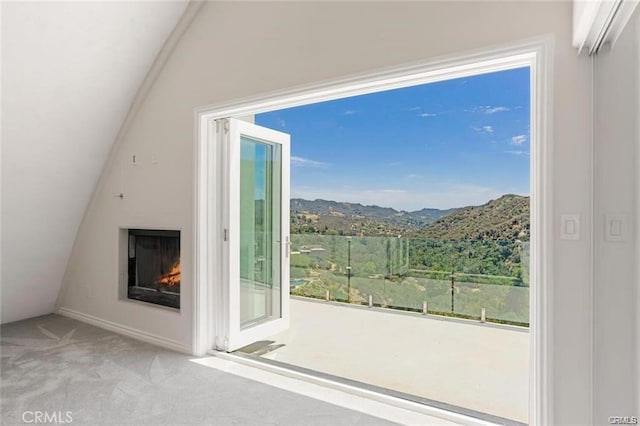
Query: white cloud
[[427, 114], [305, 162], [518, 139], [283, 123], [488, 109], [349, 112], [415, 108], [394, 191], [518, 152], [493, 110], [483, 129]]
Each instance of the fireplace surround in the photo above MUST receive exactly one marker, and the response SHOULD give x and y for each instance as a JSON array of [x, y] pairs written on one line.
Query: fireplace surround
[[153, 272]]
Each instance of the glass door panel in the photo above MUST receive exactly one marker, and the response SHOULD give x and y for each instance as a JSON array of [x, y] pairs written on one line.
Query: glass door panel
[[260, 231], [257, 283]]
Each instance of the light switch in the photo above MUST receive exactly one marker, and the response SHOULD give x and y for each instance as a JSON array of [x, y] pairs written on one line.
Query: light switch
[[615, 227], [570, 227]]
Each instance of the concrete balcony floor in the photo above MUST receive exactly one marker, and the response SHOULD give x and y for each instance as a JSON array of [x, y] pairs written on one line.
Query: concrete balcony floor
[[478, 366]]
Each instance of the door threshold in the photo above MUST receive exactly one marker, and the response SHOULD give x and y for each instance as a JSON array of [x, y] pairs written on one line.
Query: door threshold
[[373, 400]]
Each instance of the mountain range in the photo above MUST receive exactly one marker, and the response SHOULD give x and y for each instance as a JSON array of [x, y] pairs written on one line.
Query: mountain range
[[506, 218]]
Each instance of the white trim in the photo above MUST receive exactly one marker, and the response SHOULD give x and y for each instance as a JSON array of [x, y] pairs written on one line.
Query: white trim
[[203, 249], [536, 53], [154, 339], [636, 223], [542, 220], [592, 246], [599, 23], [2, 174]]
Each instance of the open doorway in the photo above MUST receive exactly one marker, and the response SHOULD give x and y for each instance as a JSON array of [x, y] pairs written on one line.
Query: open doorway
[[404, 266], [413, 203]]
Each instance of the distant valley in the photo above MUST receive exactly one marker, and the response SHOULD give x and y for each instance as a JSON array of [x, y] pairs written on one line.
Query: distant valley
[[506, 218]]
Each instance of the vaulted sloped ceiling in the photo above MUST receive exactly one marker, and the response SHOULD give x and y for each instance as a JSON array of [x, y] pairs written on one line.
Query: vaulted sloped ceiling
[[70, 72]]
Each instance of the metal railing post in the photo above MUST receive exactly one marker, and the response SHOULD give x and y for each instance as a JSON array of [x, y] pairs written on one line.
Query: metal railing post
[[452, 291], [348, 269]]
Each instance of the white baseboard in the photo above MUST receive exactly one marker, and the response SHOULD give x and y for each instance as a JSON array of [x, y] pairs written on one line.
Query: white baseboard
[[125, 330]]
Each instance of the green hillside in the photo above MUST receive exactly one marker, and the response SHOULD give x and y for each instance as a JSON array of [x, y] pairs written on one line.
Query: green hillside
[[504, 219]]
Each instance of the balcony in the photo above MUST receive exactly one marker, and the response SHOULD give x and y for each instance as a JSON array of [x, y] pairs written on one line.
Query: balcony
[[483, 280], [374, 310]]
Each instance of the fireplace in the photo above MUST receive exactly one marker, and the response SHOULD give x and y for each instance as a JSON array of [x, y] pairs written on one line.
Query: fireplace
[[153, 273]]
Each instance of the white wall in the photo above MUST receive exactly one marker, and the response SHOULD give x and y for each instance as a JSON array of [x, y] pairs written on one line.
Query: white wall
[[69, 74], [238, 50], [616, 97]]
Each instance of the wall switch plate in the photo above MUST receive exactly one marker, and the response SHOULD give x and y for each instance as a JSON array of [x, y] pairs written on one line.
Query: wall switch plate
[[570, 227], [615, 227]]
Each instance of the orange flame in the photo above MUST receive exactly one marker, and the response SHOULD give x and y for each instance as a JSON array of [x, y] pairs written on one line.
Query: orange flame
[[173, 277]]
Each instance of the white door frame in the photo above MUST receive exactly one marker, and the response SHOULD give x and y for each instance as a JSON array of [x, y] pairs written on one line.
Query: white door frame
[[535, 53]]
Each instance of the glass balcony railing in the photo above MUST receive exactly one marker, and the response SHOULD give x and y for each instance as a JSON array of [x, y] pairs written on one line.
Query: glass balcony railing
[[483, 280]]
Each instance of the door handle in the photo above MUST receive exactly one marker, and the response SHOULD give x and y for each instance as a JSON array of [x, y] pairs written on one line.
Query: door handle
[[287, 250], [287, 244]]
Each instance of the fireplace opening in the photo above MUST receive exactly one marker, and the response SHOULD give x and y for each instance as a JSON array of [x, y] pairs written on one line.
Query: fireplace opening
[[154, 267]]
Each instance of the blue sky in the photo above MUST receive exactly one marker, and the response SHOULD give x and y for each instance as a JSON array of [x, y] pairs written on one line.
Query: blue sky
[[450, 144]]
